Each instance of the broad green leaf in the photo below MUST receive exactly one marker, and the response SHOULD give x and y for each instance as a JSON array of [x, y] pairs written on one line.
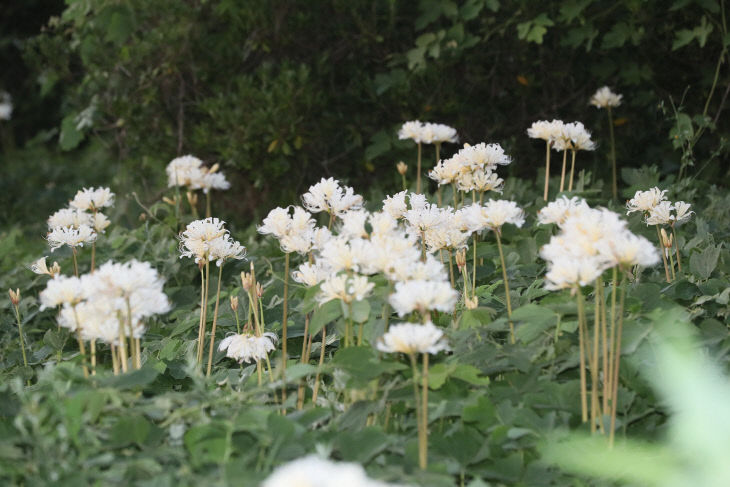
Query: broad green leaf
[[325, 314], [703, 263]]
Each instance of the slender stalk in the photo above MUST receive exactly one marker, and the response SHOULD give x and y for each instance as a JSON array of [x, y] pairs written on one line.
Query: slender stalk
[[439, 198], [572, 170], [474, 268], [215, 321], [614, 187], [595, 412], [284, 319], [454, 193], [115, 360], [547, 169], [418, 170], [386, 306], [562, 173], [582, 359], [304, 359], [207, 205], [403, 181], [497, 232], [423, 246], [93, 356], [671, 265], [451, 268], [82, 348], [258, 372], [122, 345], [608, 369], [93, 256], [664, 255], [132, 348], [423, 445], [205, 309], [238, 322], [319, 366], [417, 400], [20, 331], [676, 247], [138, 355], [76, 264], [617, 362]]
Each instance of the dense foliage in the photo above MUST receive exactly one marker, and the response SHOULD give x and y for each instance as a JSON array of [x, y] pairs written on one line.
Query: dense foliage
[[283, 93]]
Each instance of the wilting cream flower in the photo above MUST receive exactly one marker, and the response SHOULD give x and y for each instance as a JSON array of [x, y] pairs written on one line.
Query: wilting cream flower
[[423, 296], [560, 210], [40, 267], [604, 98], [411, 338], [92, 199], [645, 201], [73, 237], [101, 222], [313, 471], [248, 347]]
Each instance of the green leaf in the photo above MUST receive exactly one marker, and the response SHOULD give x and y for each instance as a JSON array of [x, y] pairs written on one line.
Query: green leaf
[[532, 320], [70, 136], [703, 263], [474, 318], [325, 314], [361, 446], [360, 311], [208, 443], [138, 378], [130, 429]]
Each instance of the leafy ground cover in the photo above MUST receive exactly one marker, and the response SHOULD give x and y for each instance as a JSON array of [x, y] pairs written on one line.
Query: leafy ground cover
[[496, 405]]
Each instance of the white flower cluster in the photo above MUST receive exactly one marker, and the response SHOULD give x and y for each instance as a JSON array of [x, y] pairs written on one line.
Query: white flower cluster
[[428, 133], [207, 240], [188, 171], [605, 98], [6, 106], [82, 221], [115, 300], [328, 196], [590, 241], [410, 338], [247, 346], [562, 136], [657, 210], [313, 471], [295, 232], [472, 168]]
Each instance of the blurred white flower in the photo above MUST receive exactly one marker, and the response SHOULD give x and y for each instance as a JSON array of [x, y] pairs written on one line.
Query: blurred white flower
[[604, 98], [195, 241], [545, 130], [91, 199], [411, 130], [423, 296], [6, 106], [61, 290], [411, 338], [69, 217], [560, 210], [313, 471], [184, 171], [247, 347]]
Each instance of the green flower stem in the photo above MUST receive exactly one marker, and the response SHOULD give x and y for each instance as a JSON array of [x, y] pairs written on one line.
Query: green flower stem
[[474, 267], [671, 265], [454, 194], [238, 321], [20, 330], [562, 173], [122, 346], [202, 312], [386, 306], [423, 443], [215, 320], [319, 366], [82, 348], [418, 170], [132, 348], [497, 232], [115, 359], [676, 247], [76, 264], [595, 413], [617, 362], [608, 360], [417, 399], [582, 359], [451, 268], [284, 319], [572, 170], [547, 169], [93, 356], [614, 187]]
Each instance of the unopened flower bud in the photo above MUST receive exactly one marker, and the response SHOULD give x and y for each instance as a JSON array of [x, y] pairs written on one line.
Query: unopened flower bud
[[247, 281], [667, 241], [169, 201], [259, 289], [55, 269], [14, 296], [461, 258], [234, 303], [402, 167], [192, 198], [214, 168]]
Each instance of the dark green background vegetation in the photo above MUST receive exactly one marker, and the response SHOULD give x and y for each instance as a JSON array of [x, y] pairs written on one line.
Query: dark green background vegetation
[[281, 93]]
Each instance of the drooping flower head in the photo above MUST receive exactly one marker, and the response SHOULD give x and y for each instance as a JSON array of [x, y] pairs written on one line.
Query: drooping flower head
[[248, 347]]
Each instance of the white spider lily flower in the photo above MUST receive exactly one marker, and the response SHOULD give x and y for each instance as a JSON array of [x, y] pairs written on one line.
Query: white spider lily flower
[[339, 255], [212, 180], [495, 213], [101, 222], [423, 296], [412, 338], [627, 250], [544, 130], [560, 210], [225, 248], [310, 274], [577, 137], [344, 287], [327, 195], [61, 290], [248, 347], [645, 201], [320, 237], [69, 217], [184, 171], [73, 237], [438, 133], [571, 272], [412, 130], [196, 239], [395, 205], [682, 212], [92, 199], [661, 214], [382, 223], [352, 224], [604, 98], [276, 223], [40, 267], [313, 471]]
